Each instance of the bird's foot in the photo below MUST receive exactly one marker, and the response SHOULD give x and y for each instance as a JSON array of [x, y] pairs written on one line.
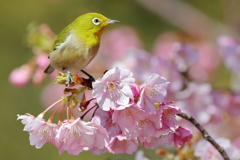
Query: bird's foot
[[69, 79], [89, 76], [89, 80]]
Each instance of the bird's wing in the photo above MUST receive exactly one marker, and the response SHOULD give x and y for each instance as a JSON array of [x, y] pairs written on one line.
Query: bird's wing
[[62, 37]]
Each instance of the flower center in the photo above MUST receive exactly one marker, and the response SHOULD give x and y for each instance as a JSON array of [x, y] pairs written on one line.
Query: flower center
[[111, 86], [152, 93], [76, 131], [124, 144], [45, 132]]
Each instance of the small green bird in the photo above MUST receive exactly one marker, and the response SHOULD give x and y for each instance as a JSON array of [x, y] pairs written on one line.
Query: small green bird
[[77, 44]]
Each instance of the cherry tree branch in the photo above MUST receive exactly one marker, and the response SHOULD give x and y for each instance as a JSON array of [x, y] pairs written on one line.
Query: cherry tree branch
[[205, 134]]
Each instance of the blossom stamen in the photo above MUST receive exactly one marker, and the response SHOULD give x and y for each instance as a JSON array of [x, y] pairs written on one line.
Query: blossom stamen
[[45, 132], [76, 131], [111, 86]]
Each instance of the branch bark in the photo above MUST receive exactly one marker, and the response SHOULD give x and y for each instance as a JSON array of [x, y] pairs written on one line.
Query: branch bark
[[205, 134]]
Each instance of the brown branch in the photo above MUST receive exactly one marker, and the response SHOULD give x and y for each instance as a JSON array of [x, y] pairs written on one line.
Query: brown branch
[[205, 134]]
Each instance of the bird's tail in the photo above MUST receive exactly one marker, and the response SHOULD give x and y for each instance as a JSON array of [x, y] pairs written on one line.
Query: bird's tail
[[49, 69]]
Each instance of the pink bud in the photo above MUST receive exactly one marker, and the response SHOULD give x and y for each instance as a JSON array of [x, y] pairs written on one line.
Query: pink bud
[[182, 136], [136, 91], [20, 76], [42, 60]]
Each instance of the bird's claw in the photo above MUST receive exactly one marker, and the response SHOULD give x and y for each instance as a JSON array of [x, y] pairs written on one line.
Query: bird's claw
[[90, 77], [87, 82], [69, 79]]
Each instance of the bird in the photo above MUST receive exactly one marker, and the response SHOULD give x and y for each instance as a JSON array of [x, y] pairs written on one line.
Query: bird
[[77, 44]]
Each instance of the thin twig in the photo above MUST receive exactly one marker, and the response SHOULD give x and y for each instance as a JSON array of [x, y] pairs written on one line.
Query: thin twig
[[205, 134], [87, 111], [95, 111]]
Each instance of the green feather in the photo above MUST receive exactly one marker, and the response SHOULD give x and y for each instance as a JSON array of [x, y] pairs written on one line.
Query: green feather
[[62, 36]]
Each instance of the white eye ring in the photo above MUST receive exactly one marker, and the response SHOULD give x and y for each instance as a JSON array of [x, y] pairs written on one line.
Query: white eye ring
[[96, 21]]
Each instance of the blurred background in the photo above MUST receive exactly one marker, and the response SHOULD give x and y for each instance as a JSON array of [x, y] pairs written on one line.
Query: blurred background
[[152, 20]]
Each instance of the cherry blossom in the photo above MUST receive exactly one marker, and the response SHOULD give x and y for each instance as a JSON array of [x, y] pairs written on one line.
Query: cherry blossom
[[101, 138], [153, 90], [112, 128], [75, 136], [125, 115], [40, 131], [127, 120], [182, 136], [25, 118], [121, 144], [113, 90]]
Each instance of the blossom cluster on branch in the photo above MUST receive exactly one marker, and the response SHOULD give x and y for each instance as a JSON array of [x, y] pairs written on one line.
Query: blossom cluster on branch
[[126, 115], [191, 67]]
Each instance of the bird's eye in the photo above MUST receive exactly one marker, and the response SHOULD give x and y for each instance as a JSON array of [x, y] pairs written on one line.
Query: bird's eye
[[96, 21]]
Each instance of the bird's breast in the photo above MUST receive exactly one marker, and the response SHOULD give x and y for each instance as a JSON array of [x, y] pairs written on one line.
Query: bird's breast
[[73, 55]]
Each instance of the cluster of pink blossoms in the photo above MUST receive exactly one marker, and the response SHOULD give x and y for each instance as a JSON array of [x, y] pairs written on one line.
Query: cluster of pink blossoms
[[127, 115]]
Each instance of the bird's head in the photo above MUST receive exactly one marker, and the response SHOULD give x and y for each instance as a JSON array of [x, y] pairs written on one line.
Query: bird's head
[[93, 23]]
